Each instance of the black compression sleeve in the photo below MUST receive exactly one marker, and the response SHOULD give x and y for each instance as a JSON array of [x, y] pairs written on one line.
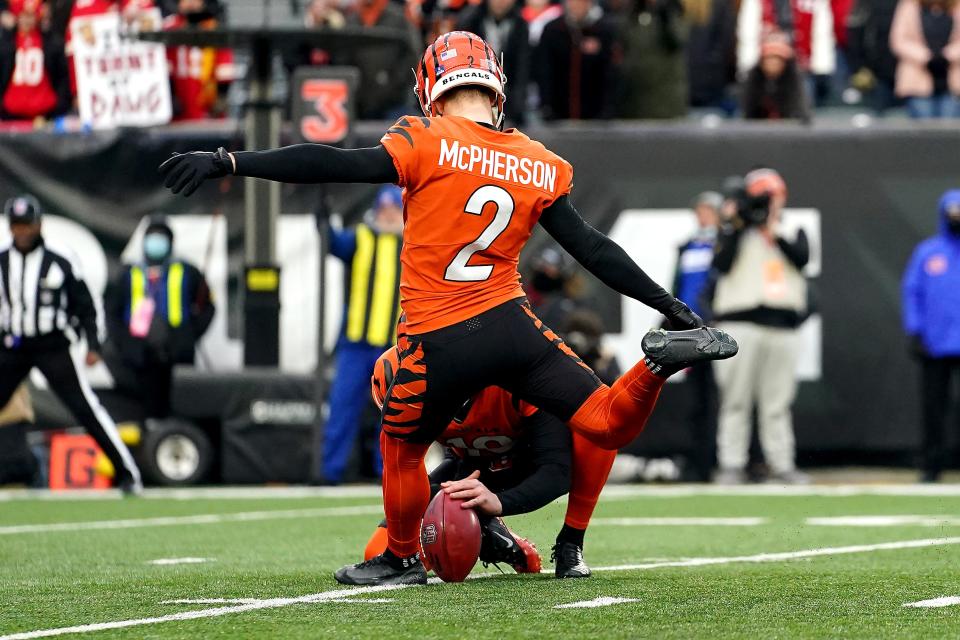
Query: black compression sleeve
[[726, 252], [798, 251], [318, 163], [551, 450], [601, 256]]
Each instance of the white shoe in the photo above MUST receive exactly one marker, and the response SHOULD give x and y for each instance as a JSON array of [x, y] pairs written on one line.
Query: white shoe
[[730, 477]]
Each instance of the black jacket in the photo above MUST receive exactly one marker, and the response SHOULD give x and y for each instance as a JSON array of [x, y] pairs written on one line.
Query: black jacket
[[711, 54], [516, 55], [868, 38], [575, 70], [163, 344], [780, 99]]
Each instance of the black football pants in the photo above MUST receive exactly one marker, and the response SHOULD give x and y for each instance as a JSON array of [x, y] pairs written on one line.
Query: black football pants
[[69, 383], [936, 376]]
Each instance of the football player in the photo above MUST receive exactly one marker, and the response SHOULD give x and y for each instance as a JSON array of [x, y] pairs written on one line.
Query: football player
[[472, 195], [504, 457]]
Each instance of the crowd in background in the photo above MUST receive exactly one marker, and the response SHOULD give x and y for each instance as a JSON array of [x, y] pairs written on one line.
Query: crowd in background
[[573, 59]]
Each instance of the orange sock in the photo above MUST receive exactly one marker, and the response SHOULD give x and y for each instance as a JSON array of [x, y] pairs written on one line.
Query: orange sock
[[377, 543], [406, 492], [613, 416], [591, 467]]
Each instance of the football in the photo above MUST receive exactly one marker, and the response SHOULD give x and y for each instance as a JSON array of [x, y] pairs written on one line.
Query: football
[[450, 538]]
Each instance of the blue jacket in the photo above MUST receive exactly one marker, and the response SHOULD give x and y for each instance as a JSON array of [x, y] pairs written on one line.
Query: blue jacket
[[692, 276], [931, 288]]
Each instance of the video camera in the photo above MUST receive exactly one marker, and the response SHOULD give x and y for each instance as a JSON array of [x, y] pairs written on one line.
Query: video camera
[[753, 211]]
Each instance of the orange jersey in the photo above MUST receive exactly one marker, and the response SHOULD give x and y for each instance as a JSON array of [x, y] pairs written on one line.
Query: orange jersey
[[491, 426], [471, 198]]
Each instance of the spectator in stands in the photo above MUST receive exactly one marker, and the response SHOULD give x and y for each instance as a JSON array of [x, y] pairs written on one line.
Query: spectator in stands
[[711, 53], [384, 91], [323, 13], [200, 75], [925, 37], [372, 252], [760, 297], [33, 73], [691, 283], [499, 23], [538, 14], [157, 311], [872, 63], [931, 306], [653, 67], [772, 89], [319, 14], [574, 64]]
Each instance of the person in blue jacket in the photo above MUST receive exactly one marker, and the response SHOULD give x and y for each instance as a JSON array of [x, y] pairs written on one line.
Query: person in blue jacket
[[931, 318], [371, 251], [691, 283]]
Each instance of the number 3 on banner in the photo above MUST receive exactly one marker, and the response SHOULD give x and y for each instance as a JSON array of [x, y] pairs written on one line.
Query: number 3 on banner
[[458, 270]]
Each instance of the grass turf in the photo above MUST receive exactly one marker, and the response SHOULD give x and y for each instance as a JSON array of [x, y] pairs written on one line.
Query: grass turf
[[63, 578]]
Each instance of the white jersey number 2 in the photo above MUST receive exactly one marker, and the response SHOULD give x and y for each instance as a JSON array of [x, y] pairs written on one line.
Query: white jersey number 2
[[458, 270]]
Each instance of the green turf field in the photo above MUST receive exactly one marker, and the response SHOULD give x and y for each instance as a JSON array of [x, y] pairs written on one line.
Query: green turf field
[[270, 558]]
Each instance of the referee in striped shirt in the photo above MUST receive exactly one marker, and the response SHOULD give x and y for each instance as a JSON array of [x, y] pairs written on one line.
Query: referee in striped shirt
[[42, 298]]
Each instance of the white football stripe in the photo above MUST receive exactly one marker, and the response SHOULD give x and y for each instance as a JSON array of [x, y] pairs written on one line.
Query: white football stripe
[[212, 518], [681, 522], [884, 521], [602, 601], [933, 603], [168, 561], [275, 603]]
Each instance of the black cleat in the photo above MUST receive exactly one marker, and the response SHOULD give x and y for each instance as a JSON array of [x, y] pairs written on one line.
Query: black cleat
[[684, 348], [568, 558], [380, 570], [130, 486], [499, 544]]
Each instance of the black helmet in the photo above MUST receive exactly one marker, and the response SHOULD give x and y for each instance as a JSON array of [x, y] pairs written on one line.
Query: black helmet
[[23, 208]]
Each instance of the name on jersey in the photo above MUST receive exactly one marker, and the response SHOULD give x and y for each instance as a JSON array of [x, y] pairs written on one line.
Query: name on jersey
[[497, 164]]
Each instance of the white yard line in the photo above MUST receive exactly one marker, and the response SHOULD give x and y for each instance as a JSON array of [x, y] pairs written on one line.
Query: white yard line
[[212, 601], [678, 522], [785, 555], [252, 600], [884, 521], [602, 601], [339, 594], [946, 601], [170, 561], [212, 518], [611, 492], [626, 491]]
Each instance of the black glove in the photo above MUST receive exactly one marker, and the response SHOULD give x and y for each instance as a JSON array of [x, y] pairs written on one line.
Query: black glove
[[680, 317], [917, 349], [186, 171]]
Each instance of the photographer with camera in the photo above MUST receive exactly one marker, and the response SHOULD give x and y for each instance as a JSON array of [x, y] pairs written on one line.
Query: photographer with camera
[[761, 296]]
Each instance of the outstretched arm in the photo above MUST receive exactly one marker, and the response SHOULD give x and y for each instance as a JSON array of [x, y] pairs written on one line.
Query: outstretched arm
[[299, 163], [607, 260]]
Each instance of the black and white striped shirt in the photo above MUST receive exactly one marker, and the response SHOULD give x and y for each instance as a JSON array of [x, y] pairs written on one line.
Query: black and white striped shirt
[[42, 294]]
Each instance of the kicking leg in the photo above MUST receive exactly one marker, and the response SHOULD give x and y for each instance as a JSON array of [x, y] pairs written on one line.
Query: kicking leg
[[611, 417]]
